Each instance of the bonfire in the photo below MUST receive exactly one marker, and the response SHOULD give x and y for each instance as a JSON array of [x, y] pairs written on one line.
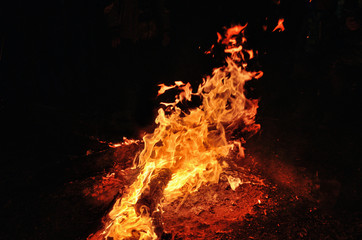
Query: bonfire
[[186, 180]]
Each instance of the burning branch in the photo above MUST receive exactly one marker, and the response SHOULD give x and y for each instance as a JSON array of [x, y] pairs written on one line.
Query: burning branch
[[150, 199]]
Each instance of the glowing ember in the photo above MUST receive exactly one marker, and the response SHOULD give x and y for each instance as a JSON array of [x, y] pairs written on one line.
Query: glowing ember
[[184, 151]]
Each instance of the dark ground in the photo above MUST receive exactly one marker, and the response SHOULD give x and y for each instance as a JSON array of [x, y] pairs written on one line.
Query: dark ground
[[62, 87]]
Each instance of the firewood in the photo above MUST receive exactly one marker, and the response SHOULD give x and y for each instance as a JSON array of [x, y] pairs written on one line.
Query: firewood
[[151, 198]]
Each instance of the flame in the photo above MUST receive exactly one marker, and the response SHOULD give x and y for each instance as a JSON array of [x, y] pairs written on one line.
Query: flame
[[189, 145], [125, 142], [280, 25], [232, 32]]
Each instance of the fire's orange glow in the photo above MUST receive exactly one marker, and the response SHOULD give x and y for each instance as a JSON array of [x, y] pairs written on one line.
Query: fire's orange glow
[[280, 25], [232, 32], [125, 141], [251, 53], [209, 51], [219, 37], [189, 144]]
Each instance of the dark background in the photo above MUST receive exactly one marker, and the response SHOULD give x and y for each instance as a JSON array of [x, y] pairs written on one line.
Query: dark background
[[63, 85]]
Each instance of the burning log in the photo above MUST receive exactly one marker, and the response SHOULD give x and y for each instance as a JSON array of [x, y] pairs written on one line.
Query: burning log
[[150, 199]]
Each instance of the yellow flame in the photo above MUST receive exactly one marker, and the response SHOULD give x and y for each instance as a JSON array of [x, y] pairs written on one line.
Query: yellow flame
[[189, 144]]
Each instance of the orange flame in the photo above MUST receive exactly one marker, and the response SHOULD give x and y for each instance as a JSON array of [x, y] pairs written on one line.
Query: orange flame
[[231, 32], [280, 25], [189, 144]]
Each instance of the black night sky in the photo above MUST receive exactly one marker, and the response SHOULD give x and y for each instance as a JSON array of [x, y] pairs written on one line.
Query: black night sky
[[68, 76]]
